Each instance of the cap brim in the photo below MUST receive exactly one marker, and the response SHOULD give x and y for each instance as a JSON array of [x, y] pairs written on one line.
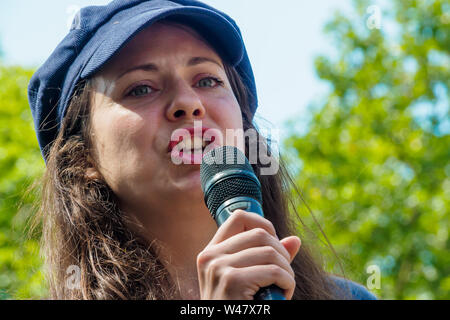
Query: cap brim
[[220, 34]]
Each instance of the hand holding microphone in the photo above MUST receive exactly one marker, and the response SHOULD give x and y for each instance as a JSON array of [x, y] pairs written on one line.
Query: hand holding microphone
[[245, 259]]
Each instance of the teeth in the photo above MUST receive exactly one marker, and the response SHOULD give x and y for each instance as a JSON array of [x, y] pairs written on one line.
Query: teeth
[[193, 143]]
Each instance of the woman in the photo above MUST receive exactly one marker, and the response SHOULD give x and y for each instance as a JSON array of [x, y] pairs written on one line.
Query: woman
[[106, 105]]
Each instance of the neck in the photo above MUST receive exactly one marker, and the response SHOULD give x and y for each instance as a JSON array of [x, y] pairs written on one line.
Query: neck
[[181, 236]]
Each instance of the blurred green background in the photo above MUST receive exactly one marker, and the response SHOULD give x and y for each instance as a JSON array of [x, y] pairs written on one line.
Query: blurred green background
[[373, 161]]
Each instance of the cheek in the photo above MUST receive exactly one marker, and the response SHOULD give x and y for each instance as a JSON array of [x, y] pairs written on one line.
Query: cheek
[[227, 112], [119, 138]]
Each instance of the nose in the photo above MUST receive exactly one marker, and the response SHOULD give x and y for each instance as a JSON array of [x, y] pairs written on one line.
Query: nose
[[186, 104]]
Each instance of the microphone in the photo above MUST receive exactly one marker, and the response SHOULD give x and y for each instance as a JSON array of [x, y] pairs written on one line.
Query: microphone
[[229, 183]]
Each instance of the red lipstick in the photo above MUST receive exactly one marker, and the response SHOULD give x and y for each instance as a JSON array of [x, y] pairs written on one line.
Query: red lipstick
[[192, 132]]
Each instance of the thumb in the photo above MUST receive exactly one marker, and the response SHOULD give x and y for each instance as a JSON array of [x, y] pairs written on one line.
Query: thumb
[[292, 245]]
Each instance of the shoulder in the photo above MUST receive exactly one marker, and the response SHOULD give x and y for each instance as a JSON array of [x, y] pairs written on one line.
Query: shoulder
[[348, 289]]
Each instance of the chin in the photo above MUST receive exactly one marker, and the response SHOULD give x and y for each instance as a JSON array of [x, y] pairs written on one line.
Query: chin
[[189, 183]]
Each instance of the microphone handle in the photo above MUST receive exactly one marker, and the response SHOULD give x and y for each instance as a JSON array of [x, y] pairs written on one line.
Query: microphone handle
[[271, 292]]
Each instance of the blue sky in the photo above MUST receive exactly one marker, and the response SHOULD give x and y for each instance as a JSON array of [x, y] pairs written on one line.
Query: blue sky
[[282, 41]]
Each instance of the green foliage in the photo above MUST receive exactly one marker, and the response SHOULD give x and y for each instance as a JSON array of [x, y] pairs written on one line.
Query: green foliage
[[375, 161], [20, 164], [1, 52]]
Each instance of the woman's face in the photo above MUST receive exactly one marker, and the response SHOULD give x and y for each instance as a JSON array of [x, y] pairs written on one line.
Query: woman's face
[[164, 79]]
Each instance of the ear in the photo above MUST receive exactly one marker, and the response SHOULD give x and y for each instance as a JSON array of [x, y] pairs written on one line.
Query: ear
[[92, 174]]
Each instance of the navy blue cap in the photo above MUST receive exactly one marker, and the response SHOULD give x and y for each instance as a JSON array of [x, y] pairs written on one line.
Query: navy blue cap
[[99, 32]]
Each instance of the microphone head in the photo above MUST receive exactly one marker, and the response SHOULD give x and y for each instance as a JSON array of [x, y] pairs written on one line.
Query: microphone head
[[226, 173]]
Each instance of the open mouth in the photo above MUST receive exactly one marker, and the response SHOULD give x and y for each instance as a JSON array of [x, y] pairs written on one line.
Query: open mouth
[[190, 143]]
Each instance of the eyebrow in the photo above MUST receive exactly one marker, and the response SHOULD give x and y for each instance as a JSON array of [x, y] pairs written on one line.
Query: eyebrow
[[151, 67]]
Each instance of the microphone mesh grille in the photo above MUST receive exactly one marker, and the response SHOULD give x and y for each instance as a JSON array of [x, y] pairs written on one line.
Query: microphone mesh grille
[[219, 160], [230, 188]]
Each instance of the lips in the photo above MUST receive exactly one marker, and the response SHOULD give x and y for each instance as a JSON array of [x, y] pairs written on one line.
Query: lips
[[193, 135]]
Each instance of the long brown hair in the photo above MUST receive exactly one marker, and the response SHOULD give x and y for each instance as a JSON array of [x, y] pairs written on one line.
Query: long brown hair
[[83, 226]]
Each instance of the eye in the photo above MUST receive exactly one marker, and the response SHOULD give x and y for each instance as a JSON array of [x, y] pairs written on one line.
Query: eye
[[140, 90], [209, 82]]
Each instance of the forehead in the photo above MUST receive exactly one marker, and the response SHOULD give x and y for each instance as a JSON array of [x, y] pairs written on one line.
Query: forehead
[[161, 41]]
